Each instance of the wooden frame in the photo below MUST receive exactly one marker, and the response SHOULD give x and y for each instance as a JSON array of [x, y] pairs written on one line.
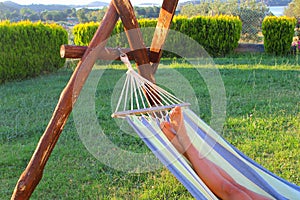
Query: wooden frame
[[146, 65], [150, 110]]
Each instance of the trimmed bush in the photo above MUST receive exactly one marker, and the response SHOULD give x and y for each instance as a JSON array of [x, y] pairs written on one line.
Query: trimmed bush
[[278, 34], [29, 49], [83, 33], [219, 35]]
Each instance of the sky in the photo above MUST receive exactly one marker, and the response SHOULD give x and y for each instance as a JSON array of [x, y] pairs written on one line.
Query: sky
[[79, 2]]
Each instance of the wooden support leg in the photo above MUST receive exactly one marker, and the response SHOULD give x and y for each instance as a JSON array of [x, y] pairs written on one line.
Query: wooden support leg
[[34, 170], [135, 38], [166, 14]]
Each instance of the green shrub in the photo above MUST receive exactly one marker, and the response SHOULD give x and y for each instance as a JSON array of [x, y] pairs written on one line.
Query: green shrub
[[278, 34], [83, 33], [219, 35], [29, 49]]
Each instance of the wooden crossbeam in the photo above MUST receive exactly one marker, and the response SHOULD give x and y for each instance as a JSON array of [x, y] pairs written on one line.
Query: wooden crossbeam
[[72, 51], [150, 110], [108, 53]]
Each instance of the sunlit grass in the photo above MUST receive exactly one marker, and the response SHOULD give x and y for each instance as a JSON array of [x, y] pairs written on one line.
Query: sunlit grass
[[263, 121]]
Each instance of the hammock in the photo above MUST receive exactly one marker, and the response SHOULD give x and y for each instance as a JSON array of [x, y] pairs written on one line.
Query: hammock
[[144, 105]]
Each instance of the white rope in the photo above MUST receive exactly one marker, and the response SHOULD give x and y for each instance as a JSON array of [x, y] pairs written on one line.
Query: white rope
[[131, 92], [126, 94], [142, 99], [122, 94], [143, 96]]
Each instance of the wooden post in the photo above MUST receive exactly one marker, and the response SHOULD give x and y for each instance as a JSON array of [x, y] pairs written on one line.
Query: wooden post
[[72, 51], [166, 14], [135, 38], [34, 170]]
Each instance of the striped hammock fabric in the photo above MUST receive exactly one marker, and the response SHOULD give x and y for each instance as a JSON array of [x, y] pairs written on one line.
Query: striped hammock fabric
[[242, 169], [145, 105]]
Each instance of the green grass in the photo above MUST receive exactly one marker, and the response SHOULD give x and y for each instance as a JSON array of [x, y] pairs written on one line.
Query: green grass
[[263, 121]]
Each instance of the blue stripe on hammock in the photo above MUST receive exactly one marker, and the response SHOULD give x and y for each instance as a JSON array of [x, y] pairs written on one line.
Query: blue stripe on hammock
[[190, 187], [263, 169], [149, 126], [285, 182], [234, 161], [297, 188], [294, 186]]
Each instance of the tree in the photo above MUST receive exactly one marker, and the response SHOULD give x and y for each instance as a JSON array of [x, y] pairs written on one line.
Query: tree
[[140, 12], [34, 17], [47, 16], [293, 9], [81, 15], [14, 16], [26, 12]]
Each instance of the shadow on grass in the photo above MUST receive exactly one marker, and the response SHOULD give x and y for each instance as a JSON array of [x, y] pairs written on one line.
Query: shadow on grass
[[262, 121]]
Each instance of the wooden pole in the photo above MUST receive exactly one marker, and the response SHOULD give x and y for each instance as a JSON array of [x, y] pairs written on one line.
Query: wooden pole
[[72, 51], [32, 175], [166, 14], [135, 38]]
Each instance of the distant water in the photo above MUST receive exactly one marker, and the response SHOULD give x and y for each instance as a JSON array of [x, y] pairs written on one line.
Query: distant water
[[277, 10]]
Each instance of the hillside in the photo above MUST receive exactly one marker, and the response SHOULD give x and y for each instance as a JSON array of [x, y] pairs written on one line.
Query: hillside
[[89, 12], [267, 2], [96, 4], [34, 7], [11, 6], [278, 2]]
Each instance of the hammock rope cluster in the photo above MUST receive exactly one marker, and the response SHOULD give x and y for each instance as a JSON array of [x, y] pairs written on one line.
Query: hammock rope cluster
[[141, 97], [144, 116]]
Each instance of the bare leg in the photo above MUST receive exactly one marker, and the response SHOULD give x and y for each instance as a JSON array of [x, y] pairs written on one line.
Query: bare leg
[[167, 129], [214, 177]]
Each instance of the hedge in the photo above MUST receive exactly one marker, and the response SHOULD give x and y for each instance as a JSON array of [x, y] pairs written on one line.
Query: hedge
[[83, 33], [30, 48], [219, 35], [278, 34]]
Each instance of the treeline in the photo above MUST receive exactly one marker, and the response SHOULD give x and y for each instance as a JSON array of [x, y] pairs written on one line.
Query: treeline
[[17, 12], [219, 7], [267, 2], [85, 15], [147, 12]]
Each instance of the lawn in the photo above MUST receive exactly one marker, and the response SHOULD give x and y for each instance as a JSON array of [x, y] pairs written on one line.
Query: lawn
[[262, 120]]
